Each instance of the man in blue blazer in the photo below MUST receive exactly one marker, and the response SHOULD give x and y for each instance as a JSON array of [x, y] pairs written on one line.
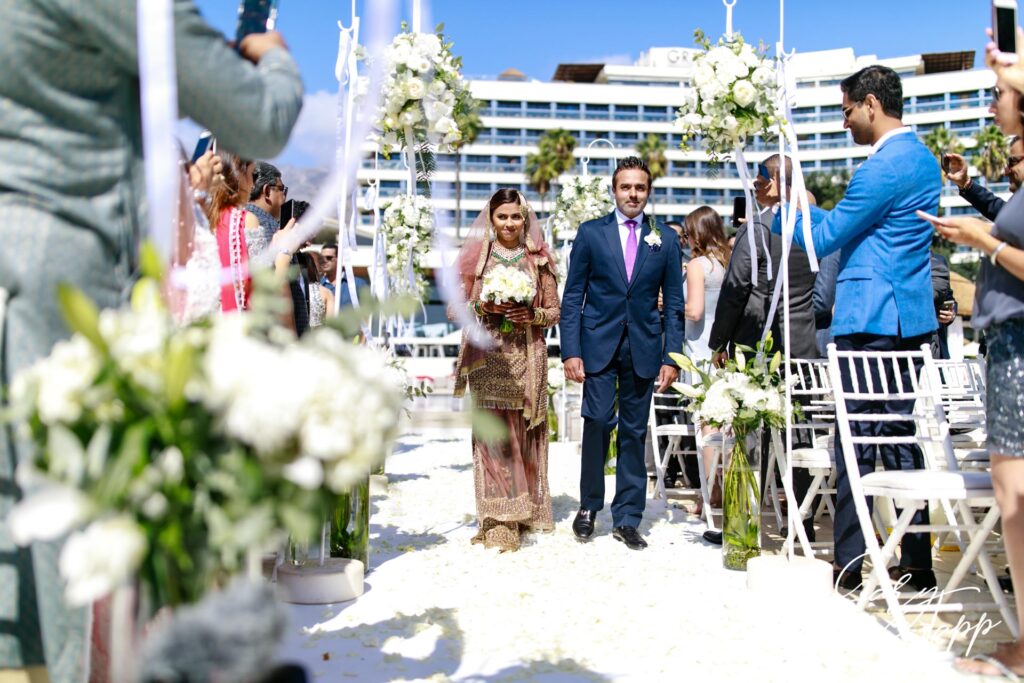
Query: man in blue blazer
[[883, 298], [611, 339]]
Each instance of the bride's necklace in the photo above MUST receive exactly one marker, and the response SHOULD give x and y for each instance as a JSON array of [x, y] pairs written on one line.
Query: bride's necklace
[[506, 255]]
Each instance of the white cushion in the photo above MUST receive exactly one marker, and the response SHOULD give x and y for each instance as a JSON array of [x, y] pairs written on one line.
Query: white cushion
[[924, 484], [817, 458]]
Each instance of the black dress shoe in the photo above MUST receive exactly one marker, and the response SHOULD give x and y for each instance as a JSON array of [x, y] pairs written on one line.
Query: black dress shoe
[[846, 580], [583, 525], [917, 579], [630, 536], [713, 537]]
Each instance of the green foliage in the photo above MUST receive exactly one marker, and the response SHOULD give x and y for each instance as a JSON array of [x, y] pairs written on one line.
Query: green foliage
[[991, 153], [828, 188], [652, 150]]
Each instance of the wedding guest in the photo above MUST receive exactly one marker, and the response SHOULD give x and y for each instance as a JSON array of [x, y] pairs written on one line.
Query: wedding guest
[[945, 304], [509, 380], [612, 337], [704, 276], [979, 196], [321, 298], [71, 150], [743, 308], [999, 311], [266, 196], [883, 292], [227, 217], [329, 255]]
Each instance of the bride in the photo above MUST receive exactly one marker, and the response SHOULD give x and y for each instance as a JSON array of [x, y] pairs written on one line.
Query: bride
[[509, 380]]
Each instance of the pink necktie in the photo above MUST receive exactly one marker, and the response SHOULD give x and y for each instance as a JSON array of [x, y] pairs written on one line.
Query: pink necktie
[[630, 249]]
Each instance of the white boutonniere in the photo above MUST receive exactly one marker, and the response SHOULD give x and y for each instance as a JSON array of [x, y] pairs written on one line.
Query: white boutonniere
[[653, 240]]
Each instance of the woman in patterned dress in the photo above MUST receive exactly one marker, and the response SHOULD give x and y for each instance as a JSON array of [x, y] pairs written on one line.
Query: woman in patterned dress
[[509, 379]]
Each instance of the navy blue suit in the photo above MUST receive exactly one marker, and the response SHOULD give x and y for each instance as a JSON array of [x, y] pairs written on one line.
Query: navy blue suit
[[615, 327]]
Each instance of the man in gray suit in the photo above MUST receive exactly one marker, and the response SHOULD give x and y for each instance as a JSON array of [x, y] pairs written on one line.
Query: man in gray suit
[[70, 197]]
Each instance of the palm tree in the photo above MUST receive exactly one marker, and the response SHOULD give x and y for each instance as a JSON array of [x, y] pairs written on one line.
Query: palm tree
[[940, 141], [553, 158], [652, 150], [991, 153], [469, 124], [542, 169]]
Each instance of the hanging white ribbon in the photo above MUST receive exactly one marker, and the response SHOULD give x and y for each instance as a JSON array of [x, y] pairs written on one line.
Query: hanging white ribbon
[[347, 73], [158, 90], [745, 180]]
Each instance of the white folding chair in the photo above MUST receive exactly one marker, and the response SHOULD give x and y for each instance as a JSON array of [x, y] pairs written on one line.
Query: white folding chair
[[962, 390], [813, 391], [680, 423], [876, 376]]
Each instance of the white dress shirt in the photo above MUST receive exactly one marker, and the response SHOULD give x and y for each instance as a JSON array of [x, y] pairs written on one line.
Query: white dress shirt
[[891, 134], [624, 231]]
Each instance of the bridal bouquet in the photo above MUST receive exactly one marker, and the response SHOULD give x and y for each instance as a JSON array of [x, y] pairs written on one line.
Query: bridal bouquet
[[734, 96], [508, 285], [746, 394], [175, 453], [423, 95], [581, 200], [407, 228]]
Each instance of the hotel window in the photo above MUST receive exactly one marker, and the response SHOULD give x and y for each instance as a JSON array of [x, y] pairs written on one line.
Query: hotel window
[[478, 158], [832, 111], [626, 112], [968, 98], [652, 113], [567, 110], [532, 136], [538, 109], [961, 125], [596, 111], [925, 128], [505, 107], [710, 195]]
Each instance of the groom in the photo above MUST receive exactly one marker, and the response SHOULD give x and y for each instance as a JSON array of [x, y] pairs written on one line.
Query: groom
[[611, 337]]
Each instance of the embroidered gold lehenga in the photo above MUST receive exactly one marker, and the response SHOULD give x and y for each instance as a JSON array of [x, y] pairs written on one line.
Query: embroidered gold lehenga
[[509, 380]]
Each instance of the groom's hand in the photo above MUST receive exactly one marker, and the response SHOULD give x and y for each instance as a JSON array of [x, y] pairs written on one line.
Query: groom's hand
[[573, 368], [668, 375]]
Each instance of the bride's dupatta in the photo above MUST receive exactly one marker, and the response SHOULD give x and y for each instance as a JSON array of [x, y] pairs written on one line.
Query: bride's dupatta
[[234, 259]]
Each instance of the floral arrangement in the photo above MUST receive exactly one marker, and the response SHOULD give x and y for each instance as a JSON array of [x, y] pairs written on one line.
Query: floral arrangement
[[734, 95], [407, 228], [423, 94], [745, 394], [556, 382], [581, 200], [508, 285], [175, 453]]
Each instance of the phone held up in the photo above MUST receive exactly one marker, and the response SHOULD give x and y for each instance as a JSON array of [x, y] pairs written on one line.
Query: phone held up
[[1004, 25], [255, 16], [206, 143], [739, 210]]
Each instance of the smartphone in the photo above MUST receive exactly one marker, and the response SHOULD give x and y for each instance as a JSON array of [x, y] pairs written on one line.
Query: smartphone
[[205, 140], [739, 210], [1004, 25], [948, 305], [287, 212], [255, 16], [946, 160]]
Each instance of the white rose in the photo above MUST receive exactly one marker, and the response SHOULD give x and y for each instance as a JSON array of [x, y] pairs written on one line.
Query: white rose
[[730, 124], [703, 73], [415, 88], [763, 75], [306, 472], [749, 57], [96, 561], [744, 93], [400, 52]]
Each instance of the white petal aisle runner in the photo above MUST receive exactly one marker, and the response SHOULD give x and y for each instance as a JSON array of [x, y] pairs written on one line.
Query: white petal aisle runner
[[437, 608]]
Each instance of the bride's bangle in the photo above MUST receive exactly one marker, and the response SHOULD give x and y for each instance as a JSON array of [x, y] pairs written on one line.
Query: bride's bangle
[[538, 317]]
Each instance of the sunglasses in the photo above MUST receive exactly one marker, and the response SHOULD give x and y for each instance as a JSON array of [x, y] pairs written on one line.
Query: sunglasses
[[848, 110], [1013, 161], [996, 93], [762, 172]]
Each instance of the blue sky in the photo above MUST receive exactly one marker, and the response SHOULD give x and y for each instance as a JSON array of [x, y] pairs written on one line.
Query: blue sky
[[535, 36]]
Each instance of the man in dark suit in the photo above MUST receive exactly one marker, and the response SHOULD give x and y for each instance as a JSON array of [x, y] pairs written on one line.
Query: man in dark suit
[[742, 306], [611, 337]]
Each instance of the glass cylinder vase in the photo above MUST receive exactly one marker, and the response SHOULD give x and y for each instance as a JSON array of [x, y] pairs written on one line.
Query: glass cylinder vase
[[350, 524], [741, 501]]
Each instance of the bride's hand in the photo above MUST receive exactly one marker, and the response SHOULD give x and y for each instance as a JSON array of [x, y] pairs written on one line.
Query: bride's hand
[[518, 313]]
